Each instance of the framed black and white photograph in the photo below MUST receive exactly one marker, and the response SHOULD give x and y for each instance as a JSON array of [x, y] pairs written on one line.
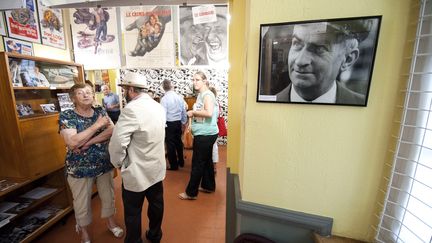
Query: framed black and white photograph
[[318, 62]]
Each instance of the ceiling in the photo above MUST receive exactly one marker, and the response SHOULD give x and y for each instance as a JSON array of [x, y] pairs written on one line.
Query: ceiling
[[114, 3]]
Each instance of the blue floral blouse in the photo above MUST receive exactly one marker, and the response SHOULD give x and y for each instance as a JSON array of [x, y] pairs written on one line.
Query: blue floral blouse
[[95, 160]]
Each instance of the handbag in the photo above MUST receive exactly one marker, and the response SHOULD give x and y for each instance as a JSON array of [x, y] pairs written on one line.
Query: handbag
[[187, 139], [221, 124]]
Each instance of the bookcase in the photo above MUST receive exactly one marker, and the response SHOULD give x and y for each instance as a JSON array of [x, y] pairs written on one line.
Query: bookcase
[[33, 187]]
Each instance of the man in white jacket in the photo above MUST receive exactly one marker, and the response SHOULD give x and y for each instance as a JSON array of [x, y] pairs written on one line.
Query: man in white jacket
[[137, 147]]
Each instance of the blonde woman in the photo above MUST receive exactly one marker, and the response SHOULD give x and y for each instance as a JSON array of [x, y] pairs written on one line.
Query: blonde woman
[[203, 122]]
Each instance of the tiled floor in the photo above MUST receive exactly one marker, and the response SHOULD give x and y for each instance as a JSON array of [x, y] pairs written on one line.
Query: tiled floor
[[202, 220]]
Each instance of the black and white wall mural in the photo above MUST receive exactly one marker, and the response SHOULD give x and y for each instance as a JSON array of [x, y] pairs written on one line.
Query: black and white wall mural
[[181, 78]]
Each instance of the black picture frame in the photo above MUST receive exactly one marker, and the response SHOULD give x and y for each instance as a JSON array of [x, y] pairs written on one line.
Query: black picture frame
[[327, 61]]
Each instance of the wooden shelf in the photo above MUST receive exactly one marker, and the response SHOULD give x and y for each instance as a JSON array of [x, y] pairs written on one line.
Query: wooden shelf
[[35, 204], [48, 224], [39, 115], [20, 183], [41, 88], [31, 88], [33, 151]]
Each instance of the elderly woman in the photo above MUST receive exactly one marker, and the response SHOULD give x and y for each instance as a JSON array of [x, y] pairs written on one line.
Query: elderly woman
[[205, 131], [86, 132]]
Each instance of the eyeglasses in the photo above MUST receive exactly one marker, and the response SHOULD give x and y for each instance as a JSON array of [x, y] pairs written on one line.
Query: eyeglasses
[[82, 93]]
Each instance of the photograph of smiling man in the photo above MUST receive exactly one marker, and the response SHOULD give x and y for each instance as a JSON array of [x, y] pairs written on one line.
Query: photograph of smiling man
[[203, 35], [326, 62]]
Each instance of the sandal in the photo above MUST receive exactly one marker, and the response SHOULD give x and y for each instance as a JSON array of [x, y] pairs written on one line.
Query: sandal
[[116, 231], [184, 196], [79, 231]]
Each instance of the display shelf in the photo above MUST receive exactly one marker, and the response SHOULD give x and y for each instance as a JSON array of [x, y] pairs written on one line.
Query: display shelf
[[37, 203], [48, 224], [32, 88], [17, 184], [38, 116], [33, 150]]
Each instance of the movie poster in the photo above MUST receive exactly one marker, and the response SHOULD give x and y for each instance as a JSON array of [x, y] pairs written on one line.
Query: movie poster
[[22, 23], [95, 37], [2, 25], [18, 46], [51, 23], [203, 35], [148, 36]]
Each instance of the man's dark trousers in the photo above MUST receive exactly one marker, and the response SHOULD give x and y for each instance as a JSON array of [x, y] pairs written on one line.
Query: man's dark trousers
[[174, 144], [133, 204]]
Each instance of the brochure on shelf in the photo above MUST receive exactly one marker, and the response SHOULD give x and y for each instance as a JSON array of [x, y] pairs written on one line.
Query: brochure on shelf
[[5, 206], [48, 108], [24, 109], [5, 218], [6, 184], [65, 102], [22, 204], [15, 70], [39, 192]]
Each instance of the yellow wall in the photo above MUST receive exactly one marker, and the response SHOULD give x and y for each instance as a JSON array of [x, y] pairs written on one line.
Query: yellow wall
[[324, 160], [237, 90]]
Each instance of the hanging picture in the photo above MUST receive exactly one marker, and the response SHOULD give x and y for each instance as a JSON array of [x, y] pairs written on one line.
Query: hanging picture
[[326, 61], [18, 46], [148, 36], [95, 37], [51, 23], [22, 23], [2, 24], [203, 35]]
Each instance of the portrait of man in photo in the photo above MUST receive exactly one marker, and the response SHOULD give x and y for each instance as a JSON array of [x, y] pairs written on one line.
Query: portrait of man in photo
[[203, 43], [327, 62]]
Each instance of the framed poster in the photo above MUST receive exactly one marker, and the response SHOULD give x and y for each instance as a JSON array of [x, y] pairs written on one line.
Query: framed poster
[[22, 23], [2, 25], [51, 24], [203, 35], [95, 37], [18, 46], [148, 36], [318, 62]]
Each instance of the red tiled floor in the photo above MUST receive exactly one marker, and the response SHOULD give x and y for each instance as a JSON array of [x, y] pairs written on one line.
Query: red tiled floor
[[198, 221]]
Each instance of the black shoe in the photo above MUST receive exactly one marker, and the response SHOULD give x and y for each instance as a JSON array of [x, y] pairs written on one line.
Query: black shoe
[[181, 164], [172, 168], [148, 238], [205, 190]]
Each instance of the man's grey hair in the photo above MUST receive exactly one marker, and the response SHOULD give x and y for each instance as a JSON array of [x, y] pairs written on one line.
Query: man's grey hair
[[166, 85]]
